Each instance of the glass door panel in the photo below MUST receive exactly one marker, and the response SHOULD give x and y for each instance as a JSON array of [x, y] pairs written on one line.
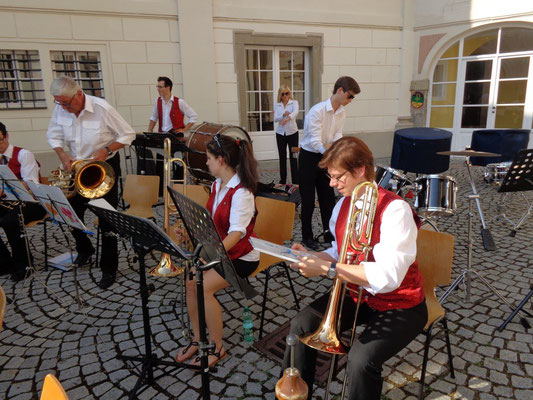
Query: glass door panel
[[476, 96]]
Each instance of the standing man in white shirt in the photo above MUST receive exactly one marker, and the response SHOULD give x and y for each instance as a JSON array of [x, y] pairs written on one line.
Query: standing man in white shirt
[[23, 164], [169, 111], [90, 128], [323, 126]]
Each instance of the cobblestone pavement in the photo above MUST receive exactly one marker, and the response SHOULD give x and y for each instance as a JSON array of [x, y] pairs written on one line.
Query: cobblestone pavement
[[44, 332]]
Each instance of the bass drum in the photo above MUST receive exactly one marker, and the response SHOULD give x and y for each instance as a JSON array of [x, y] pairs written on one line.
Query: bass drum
[[197, 142]]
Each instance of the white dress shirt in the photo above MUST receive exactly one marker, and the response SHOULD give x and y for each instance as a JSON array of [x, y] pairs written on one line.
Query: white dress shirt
[[290, 127], [97, 126], [29, 169], [241, 212], [166, 123], [322, 127], [394, 253]]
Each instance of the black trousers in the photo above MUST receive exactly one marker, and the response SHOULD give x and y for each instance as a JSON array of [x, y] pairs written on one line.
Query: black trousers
[[311, 178], [283, 142], [17, 261], [109, 254], [385, 334]]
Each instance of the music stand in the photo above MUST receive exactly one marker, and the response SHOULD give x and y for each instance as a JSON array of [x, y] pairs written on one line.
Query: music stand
[[202, 230], [145, 236], [519, 178]]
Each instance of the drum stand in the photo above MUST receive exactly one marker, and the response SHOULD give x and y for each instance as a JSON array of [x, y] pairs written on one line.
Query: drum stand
[[466, 273]]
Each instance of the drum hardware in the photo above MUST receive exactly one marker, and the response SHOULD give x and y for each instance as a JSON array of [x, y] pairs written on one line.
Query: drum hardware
[[357, 236], [465, 275], [89, 178], [391, 179], [486, 235]]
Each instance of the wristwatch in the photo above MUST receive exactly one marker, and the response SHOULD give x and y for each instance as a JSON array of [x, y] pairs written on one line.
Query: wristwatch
[[332, 271], [109, 152]]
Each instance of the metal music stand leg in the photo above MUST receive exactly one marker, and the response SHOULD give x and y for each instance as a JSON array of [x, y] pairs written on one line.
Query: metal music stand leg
[[523, 321]]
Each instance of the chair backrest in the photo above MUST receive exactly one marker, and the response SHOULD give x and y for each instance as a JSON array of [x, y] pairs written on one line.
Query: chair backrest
[[2, 306], [274, 223], [197, 193], [52, 389], [435, 258], [141, 192]]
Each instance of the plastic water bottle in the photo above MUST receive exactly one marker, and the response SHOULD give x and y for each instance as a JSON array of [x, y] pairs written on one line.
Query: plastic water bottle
[[247, 326]]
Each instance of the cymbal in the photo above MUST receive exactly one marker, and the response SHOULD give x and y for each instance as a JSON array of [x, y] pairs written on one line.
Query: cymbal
[[468, 153]]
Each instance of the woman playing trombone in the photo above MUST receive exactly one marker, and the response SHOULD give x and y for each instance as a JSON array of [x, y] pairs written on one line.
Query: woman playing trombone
[[393, 306], [232, 206]]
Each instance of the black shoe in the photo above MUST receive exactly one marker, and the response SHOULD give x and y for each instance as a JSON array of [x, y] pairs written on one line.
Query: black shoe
[[84, 258], [106, 281], [328, 237], [310, 244], [18, 275]]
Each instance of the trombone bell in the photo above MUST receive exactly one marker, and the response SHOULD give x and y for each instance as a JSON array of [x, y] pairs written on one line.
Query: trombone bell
[[166, 268]]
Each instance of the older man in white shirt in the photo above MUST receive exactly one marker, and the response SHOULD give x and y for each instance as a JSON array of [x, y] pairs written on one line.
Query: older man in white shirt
[[323, 125], [90, 128]]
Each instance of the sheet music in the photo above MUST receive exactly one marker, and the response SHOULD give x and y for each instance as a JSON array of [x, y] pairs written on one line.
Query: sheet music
[[56, 204], [15, 185], [276, 250]]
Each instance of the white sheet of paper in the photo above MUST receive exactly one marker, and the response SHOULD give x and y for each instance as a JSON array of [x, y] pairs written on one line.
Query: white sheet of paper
[[16, 186], [102, 203], [276, 250]]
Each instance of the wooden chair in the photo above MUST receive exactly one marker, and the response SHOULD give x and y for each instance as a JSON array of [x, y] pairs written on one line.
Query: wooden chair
[[52, 389], [197, 193], [274, 223], [141, 192], [435, 257], [3, 301]]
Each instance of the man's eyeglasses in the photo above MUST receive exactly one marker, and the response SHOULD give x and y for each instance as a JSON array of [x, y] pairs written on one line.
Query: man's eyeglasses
[[336, 178], [64, 104], [286, 93], [159, 86], [350, 96]]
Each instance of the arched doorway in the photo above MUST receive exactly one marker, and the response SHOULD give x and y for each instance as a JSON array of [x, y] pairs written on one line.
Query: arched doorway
[[483, 81]]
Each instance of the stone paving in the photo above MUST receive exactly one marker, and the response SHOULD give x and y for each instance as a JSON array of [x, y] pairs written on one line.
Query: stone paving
[[45, 332]]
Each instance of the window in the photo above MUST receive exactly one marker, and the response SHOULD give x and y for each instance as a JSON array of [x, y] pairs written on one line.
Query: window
[[83, 66], [21, 83], [265, 61], [266, 70]]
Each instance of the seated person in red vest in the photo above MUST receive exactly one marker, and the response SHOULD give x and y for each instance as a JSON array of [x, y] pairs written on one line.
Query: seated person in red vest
[[393, 307], [169, 111], [23, 164], [232, 207]]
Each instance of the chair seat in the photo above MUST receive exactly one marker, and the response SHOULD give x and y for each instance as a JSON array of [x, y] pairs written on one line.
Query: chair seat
[[140, 212], [36, 222]]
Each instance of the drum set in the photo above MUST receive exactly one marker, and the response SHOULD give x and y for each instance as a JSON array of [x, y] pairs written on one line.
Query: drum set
[[434, 195]]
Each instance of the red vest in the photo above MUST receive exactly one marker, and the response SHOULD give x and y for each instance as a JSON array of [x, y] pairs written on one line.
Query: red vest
[[14, 164], [176, 116], [221, 220], [410, 292]]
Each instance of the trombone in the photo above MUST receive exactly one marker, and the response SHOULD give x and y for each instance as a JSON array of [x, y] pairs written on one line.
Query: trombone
[[357, 235]]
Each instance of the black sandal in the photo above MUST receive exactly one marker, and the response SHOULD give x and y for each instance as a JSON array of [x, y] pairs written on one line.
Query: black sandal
[[219, 357], [185, 350]]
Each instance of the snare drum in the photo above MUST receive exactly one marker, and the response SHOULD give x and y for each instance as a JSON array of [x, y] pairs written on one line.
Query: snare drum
[[197, 142], [391, 179], [435, 195], [495, 172]]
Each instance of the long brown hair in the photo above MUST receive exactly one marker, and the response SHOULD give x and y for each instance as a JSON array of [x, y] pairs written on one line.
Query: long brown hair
[[349, 153], [239, 155]]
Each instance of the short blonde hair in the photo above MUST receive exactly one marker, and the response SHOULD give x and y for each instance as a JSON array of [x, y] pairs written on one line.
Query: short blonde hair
[[283, 89]]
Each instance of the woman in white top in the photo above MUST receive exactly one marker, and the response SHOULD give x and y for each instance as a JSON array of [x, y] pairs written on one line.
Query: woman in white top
[[285, 114]]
